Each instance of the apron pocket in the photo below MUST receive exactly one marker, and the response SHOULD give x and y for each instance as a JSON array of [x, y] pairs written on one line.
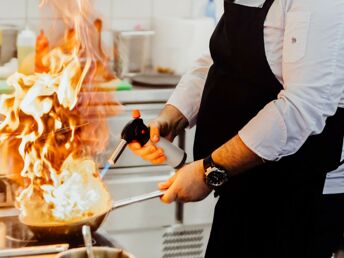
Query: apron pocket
[[295, 36]]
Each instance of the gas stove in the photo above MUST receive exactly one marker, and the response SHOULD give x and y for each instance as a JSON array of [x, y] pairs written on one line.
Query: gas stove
[[13, 234]]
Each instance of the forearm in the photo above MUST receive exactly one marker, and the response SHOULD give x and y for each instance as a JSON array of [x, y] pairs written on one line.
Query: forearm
[[175, 122], [235, 156]]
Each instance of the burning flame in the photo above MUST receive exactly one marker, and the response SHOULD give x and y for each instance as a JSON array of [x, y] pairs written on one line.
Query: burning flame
[[53, 120]]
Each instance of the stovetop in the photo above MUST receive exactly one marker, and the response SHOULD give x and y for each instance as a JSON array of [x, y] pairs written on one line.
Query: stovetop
[[13, 234]]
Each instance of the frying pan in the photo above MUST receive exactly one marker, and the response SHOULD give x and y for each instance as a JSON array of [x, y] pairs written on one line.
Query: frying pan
[[73, 229]]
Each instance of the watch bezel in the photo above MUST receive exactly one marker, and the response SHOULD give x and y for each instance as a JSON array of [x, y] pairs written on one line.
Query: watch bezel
[[214, 169]]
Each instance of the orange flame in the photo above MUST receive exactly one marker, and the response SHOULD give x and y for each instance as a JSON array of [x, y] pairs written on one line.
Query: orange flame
[[52, 121]]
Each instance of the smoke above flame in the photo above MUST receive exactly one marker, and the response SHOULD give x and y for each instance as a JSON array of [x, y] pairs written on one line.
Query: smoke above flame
[[55, 121]]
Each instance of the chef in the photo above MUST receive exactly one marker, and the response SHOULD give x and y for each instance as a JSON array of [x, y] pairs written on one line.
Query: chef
[[269, 108]]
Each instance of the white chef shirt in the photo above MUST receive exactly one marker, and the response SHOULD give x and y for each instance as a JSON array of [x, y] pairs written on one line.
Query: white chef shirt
[[304, 42]]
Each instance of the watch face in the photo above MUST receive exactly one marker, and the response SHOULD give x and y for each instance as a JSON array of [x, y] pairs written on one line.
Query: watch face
[[216, 177]]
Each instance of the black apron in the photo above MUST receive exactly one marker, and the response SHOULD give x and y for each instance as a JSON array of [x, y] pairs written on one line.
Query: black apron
[[268, 211]]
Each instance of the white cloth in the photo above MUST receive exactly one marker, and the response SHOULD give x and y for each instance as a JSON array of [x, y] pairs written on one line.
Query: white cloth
[[304, 42]]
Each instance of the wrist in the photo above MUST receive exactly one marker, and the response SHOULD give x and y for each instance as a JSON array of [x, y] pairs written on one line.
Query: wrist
[[215, 176], [174, 118]]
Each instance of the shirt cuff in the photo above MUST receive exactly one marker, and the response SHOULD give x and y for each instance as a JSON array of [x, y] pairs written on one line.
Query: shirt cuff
[[188, 101], [266, 133]]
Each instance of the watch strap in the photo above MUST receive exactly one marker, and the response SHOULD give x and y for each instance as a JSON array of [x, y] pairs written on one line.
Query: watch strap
[[208, 162]]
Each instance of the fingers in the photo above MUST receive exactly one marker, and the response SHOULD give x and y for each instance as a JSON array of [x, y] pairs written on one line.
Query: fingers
[[148, 152], [154, 154], [159, 160], [144, 150], [154, 131], [134, 146], [165, 185], [171, 193]]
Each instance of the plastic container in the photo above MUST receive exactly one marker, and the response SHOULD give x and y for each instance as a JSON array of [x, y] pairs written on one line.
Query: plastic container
[[131, 52], [8, 38], [26, 41]]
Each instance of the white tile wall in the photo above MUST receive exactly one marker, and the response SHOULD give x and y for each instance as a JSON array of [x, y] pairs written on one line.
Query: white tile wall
[[120, 14], [132, 8], [116, 14], [175, 8], [12, 9]]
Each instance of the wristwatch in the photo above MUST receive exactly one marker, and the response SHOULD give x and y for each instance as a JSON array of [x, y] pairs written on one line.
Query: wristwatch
[[215, 176]]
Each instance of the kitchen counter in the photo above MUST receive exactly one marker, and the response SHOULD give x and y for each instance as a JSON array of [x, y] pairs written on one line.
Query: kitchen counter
[[144, 95]]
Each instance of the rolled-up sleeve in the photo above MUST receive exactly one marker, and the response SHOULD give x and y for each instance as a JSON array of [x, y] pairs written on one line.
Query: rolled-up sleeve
[[188, 93], [313, 78]]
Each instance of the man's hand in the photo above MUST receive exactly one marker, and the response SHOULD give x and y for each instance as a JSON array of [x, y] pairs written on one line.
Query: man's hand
[[187, 185], [168, 124]]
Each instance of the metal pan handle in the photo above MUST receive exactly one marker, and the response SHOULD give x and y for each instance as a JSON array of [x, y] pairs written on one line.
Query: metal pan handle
[[135, 199]]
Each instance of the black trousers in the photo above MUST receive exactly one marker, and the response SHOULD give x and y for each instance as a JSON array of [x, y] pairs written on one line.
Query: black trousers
[[328, 235], [326, 238]]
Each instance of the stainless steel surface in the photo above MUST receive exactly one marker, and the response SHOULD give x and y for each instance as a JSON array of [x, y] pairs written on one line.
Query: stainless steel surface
[[144, 95], [131, 50], [99, 252], [165, 240], [86, 233], [125, 182], [33, 250]]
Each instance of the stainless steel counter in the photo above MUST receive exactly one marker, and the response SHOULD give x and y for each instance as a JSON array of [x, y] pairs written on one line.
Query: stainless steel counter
[[144, 95]]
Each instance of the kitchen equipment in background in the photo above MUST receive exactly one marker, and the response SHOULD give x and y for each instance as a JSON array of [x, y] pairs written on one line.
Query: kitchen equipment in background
[[131, 52], [156, 80], [26, 42], [184, 241], [178, 42], [99, 252], [8, 38], [66, 230]]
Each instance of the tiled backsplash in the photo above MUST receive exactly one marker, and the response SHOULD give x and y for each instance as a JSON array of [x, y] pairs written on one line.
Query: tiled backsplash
[[117, 14]]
